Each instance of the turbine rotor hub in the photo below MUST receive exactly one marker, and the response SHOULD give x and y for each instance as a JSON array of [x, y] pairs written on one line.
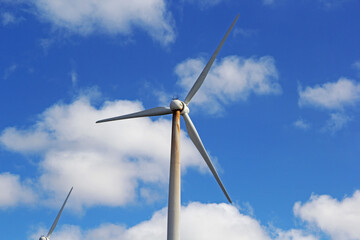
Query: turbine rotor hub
[[176, 105], [185, 109]]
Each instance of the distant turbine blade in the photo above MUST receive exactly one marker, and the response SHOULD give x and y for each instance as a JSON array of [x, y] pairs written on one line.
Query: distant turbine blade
[[146, 113], [194, 136], [205, 71], [58, 216]]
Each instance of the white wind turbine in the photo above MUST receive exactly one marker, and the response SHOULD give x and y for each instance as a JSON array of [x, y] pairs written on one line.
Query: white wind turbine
[[178, 108], [56, 219]]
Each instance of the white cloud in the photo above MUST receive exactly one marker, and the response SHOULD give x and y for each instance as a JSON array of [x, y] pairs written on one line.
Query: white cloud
[[74, 78], [294, 234], [232, 78], [344, 92], [7, 18], [245, 32], [24, 140], [198, 221], [332, 96], [219, 221], [109, 16], [104, 162], [14, 192], [268, 2], [336, 122], [339, 219], [356, 65], [67, 232], [46, 43], [300, 123], [10, 70]]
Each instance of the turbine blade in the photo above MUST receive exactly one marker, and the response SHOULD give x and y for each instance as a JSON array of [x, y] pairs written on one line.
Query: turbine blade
[[58, 216], [194, 136], [146, 113], [205, 71]]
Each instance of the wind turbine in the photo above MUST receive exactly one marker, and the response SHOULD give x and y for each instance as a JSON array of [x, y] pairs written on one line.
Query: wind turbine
[[178, 108], [56, 219]]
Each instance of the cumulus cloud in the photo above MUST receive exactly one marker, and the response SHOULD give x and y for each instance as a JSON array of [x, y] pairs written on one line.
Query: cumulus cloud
[[356, 65], [7, 18], [339, 219], [331, 95], [231, 79], [300, 123], [13, 191], [67, 232], [104, 162], [46, 43], [336, 122], [199, 221], [212, 221], [294, 234], [24, 140], [111, 17]]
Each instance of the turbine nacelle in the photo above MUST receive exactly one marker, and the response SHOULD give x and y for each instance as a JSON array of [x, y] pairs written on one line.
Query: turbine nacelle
[[177, 105], [43, 238]]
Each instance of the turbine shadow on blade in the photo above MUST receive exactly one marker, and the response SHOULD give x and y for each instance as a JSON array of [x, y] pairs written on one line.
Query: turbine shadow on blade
[[56, 219], [178, 108]]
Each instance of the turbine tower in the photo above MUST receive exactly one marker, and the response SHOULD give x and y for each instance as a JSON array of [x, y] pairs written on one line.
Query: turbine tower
[[178, 108], [56, 219]]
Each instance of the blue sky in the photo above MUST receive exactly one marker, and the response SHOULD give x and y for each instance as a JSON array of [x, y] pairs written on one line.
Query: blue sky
[[278, 113]]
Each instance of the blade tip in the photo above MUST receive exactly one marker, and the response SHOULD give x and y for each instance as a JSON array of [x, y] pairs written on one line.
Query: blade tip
[[237, 17]]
